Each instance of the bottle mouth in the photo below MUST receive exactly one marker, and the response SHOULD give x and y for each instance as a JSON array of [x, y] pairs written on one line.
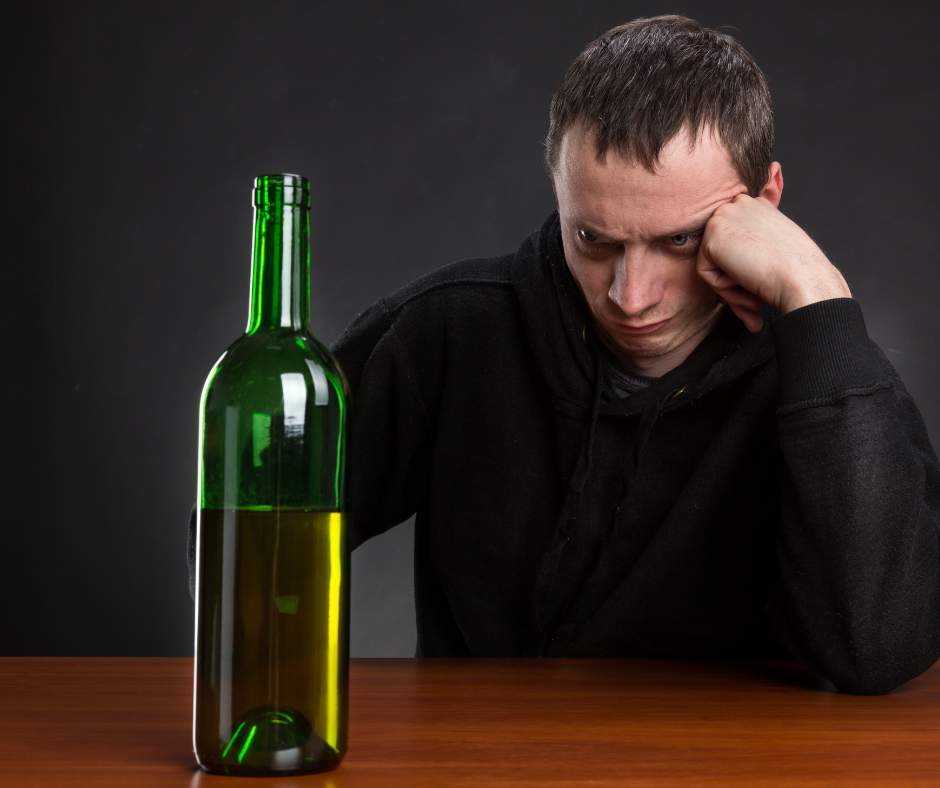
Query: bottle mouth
[[282, 189]]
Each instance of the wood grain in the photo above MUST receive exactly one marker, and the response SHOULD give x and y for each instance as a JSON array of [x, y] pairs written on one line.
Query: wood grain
[[109, 722]]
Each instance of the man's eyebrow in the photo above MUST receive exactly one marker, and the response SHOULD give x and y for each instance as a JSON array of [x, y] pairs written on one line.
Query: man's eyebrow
[[700, 228], [602, 237], [697, 230]]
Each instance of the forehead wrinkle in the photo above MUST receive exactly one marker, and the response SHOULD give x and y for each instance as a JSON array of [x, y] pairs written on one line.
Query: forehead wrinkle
[[621, 200], [630, 220]]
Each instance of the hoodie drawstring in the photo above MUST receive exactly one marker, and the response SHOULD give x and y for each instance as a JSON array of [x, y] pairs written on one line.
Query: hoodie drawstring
[[570, 509], [648, 419]]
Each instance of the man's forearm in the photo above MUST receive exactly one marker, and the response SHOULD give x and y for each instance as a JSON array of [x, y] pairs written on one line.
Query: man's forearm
[[858, 534]]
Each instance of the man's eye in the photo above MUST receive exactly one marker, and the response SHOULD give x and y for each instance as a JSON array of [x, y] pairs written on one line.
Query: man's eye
[[682, 240], [588, 236]]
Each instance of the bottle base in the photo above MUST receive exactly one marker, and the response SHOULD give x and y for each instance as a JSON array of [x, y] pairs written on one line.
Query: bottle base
[[271, 741], [250, 771]]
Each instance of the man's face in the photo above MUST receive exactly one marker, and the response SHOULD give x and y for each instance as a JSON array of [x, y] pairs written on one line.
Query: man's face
[[631, 240]]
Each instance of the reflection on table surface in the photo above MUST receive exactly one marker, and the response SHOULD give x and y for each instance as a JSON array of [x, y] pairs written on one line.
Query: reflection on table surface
[[117, 721]]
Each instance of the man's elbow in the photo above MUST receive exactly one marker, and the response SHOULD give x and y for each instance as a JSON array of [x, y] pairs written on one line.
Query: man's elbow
[[879, 670]]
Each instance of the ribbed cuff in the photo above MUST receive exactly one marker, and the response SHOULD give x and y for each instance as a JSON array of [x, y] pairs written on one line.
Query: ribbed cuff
[[822, 349]]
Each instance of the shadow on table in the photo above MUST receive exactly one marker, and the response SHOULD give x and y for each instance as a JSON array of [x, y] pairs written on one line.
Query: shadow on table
[[792, 673], [327, 780]]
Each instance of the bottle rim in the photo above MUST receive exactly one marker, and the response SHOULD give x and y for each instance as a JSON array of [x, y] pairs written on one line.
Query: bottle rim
[[281, 189]]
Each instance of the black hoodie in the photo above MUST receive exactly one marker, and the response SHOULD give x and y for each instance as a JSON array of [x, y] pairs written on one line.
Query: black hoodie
[[774, 495]]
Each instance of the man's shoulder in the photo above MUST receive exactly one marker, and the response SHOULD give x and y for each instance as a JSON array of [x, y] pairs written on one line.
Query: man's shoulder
[[452, 284], [467, 294]]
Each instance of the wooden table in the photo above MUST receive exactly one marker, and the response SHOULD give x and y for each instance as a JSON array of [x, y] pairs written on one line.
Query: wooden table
[[110, 722]]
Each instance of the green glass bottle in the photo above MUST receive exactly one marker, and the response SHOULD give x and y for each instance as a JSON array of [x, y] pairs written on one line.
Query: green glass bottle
[[272, 556]]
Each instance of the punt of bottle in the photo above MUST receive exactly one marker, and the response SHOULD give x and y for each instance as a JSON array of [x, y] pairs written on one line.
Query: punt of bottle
[[273, 660]]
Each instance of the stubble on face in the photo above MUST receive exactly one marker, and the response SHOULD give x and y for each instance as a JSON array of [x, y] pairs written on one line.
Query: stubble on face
[[636, 276], [698, 320]]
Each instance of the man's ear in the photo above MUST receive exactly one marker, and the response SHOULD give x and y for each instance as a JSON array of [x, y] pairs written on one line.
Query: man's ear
[[773, 190]]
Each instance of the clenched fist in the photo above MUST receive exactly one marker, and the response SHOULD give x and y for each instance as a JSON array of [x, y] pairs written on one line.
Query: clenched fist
[[751, 253]]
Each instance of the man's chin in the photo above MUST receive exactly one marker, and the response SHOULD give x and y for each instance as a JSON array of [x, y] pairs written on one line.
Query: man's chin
[[659, 343], [646, 346]]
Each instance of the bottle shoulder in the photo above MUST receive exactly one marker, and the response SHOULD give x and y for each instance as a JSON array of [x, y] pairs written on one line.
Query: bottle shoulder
[[263, 359], [276, 352]]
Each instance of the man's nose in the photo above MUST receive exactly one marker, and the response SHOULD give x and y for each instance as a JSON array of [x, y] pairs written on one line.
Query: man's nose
[[636, 286]]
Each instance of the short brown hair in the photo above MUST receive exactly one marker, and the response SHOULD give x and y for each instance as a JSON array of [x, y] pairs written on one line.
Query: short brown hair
[[640, 84]]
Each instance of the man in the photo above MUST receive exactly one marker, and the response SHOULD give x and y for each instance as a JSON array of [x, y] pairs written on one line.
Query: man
[[657, 429]]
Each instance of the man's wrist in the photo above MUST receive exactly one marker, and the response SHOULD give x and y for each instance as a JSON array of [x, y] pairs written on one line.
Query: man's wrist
[[804, 294]]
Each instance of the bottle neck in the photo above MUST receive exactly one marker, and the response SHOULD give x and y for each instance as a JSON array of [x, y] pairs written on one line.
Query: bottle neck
[[280, 276]]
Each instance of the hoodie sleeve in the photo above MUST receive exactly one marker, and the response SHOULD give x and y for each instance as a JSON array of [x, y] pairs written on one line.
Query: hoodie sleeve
[[860, 506], [390, 424]]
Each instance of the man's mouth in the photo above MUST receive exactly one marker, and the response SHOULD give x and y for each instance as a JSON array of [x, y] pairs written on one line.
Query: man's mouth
[[648, 328]]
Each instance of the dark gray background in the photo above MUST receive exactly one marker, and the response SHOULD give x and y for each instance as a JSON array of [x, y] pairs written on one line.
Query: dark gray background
[[132, 132]]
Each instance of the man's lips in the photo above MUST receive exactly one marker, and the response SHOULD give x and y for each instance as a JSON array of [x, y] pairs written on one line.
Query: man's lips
[[649, 328]]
